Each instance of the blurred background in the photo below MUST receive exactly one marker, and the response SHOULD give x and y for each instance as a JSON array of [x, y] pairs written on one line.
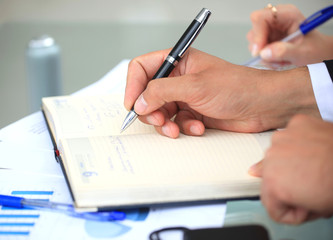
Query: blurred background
[[96, 35]]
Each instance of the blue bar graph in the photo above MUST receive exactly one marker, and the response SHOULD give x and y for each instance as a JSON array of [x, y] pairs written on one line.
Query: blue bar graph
[[19, 215], [16, 224], [8, 233], [9, 219], [32, 193]]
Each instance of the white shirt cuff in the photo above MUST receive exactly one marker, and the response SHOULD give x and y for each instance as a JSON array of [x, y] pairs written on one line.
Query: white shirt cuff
[[323, 89]]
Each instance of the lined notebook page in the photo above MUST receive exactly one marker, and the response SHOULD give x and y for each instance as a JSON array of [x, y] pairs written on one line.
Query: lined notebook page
[[150, 159], [76, 116]]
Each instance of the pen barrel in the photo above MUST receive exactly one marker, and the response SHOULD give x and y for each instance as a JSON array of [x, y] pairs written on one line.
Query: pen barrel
[[164, 70], [316, 19], [186, 40], [179, 49]]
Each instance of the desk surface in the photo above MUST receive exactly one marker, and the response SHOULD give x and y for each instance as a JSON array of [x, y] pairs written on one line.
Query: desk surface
[[89, 50]]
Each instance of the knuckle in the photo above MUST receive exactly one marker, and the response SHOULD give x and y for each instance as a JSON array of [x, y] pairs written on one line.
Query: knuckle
[[256, 16], [132, 62], [295, 120]]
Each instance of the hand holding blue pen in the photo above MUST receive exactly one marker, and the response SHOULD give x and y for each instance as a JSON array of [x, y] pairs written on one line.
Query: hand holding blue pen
[[279, 23], [19, 202]]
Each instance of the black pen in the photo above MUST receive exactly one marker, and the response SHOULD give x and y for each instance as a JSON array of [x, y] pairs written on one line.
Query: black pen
[[174, 56]]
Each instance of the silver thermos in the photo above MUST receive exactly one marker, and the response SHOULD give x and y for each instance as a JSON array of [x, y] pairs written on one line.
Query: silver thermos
[[43, 70]]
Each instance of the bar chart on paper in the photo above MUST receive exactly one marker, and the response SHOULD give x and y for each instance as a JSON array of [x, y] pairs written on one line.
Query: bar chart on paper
[[32, 224], [18, 223]]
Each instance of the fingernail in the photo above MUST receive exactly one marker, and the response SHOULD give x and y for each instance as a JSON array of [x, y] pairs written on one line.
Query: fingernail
[[254, 50], [140, 105], [195, 130], [266, 53], [166, 131]]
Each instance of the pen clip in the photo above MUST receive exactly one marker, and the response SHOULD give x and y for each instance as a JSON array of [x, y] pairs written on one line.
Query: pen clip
[[316, 19], [202, 19]]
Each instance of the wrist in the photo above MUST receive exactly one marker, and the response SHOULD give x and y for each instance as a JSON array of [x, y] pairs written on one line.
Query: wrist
[[286, 93]]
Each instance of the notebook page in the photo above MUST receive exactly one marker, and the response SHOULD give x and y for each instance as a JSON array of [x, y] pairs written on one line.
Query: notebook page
[[150, 159], [86, 116]]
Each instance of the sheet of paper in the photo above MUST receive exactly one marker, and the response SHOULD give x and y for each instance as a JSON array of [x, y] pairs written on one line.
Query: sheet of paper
[[26, 224], [25, 158], [26, 145], [28, 132], [113, 82]]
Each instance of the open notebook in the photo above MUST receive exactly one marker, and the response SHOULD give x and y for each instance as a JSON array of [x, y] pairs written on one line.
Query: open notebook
[[106, 169]]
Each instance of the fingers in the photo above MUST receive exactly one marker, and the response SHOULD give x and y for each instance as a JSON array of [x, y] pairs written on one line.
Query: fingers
[[162, 91], [155, 118], [185, 121], [279, 52], [188, 123], [278, 209], [286, 214], [269, 26], [161, 120], [258, 36], [169, 129], [140, 71]]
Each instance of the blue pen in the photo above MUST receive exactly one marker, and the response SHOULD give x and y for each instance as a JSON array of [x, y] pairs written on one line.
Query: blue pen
[[19, 202], [309, 24]]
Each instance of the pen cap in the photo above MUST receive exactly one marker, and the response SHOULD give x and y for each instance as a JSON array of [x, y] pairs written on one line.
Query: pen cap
[[43, 70], [10, 201]]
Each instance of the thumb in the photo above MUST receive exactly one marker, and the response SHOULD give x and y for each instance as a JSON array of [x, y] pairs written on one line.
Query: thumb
[[278, 52], [161, 91], [256, 169]]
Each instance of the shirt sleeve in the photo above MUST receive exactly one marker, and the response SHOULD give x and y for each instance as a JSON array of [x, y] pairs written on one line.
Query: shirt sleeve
[[322, 85]]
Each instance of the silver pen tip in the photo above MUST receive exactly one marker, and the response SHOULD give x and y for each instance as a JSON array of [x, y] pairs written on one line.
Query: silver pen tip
[[130, 118]]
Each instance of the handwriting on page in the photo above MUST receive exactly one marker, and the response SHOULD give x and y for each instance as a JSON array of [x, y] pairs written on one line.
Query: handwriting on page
[[93, 157], [93, 116], [154, 159], [118, 149], [77, 114]]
